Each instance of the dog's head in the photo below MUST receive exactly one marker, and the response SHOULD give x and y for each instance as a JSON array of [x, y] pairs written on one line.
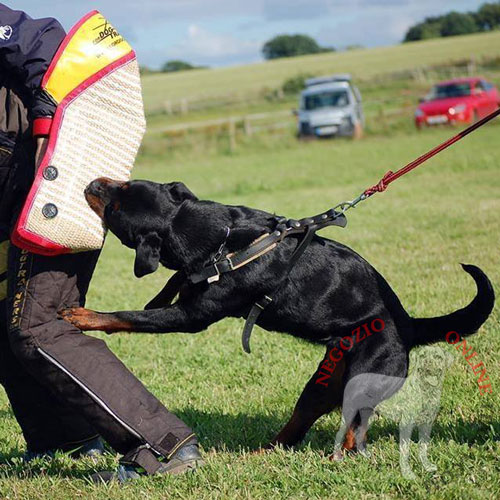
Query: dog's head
[[138, 213]]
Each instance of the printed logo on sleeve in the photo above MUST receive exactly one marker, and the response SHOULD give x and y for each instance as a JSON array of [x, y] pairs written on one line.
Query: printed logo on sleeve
[[5, 32]]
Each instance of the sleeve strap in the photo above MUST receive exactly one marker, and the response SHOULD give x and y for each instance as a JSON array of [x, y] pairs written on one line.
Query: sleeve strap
[[42, 126]]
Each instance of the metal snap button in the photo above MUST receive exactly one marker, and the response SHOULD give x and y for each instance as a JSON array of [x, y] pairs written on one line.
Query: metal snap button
[[49, 211], [50, 173]]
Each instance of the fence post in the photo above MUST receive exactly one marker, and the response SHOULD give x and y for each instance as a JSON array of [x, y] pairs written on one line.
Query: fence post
[[471, 66], [184, 106], [232, 134], [167, 106], [247, 125], [381, 116]]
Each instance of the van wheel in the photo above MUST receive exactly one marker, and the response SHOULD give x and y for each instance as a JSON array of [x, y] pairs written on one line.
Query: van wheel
[[358, 131]]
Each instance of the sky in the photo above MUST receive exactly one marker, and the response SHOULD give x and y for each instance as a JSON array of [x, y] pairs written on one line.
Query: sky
[[228, 32]]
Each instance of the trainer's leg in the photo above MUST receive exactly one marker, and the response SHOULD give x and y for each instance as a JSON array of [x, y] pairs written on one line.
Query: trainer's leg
[[80, 369], [46, 423]]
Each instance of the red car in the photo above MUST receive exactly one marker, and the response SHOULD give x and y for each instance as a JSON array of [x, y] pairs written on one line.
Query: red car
[[462, 100]]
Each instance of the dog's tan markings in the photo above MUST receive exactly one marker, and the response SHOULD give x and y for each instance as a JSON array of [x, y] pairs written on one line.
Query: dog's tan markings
[[349, 445], [350, 440], [88, 320], [95, 204]]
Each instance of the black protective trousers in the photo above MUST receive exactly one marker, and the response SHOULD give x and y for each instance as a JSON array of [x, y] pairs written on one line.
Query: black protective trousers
[[65, 387]]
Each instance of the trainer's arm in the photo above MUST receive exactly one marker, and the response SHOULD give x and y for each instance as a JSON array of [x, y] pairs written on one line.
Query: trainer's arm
[[27, 46]]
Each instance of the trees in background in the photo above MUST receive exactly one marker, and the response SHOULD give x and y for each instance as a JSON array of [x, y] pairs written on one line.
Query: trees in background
[[457, 23], [170, 67], [488, 16], [177, 65], [292, 45]]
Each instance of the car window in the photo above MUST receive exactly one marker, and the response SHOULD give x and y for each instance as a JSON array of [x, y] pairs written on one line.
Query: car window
[[487, 85], [327, 99], [449, 90]]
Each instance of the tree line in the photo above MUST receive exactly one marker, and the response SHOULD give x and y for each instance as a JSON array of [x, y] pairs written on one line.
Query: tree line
[[486, 18]]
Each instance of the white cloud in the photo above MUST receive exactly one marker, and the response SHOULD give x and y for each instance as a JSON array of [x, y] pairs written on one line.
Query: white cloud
[[203, 46]]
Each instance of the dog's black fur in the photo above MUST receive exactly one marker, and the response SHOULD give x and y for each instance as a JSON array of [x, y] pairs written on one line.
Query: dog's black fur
[[330, 291]]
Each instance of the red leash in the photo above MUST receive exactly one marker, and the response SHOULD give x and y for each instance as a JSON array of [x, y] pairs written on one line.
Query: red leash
[[392, 176]]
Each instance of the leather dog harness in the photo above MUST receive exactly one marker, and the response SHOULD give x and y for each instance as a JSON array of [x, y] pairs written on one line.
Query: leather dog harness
[[306, 227]]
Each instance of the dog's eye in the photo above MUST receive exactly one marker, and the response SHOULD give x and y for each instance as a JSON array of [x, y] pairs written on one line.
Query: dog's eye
[[116, 206]]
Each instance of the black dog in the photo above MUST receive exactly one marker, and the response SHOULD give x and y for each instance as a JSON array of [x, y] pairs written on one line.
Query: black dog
[[329, 294]]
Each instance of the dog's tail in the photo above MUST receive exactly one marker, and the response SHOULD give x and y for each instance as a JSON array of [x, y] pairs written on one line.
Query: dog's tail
[[465, 321]]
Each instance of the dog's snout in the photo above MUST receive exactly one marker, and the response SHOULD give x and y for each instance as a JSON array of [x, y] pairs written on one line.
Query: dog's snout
[[93, 188], [102, 188], [99, 193]]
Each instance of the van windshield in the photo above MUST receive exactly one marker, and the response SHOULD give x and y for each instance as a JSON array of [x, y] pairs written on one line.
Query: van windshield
[[449, 90], [327, 99]]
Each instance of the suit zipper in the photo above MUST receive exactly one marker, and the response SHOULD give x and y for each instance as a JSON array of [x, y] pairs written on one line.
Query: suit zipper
[[96, 398]]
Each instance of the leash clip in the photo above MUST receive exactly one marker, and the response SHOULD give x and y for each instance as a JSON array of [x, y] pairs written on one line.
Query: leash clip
[[220, 251]]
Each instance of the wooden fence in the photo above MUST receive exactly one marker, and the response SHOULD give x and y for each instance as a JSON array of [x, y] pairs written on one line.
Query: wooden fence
[[250, 124]]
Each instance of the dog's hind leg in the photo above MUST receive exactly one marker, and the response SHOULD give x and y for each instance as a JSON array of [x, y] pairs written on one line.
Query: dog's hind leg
[[316, 400], [362, 429], [346, 436]]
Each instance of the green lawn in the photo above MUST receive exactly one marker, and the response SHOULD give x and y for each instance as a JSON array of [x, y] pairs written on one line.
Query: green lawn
[[415, 234]]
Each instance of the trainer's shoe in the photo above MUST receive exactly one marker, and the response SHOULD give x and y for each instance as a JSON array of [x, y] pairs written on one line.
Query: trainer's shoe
[[93, 449], [187, 458]]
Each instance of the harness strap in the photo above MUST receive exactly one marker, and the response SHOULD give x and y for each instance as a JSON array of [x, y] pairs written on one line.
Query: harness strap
[[252, 318], [266, 243], [261, 304], [235, 260]]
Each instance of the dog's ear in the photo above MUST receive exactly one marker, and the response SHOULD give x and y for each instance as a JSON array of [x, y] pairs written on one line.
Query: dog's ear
[[147, 254], [179, 192]]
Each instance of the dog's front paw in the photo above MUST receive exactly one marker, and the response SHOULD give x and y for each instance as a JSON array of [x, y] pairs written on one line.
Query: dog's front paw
[[82, 318]]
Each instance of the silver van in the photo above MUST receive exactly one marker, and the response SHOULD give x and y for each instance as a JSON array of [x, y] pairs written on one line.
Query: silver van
[[330, 106]]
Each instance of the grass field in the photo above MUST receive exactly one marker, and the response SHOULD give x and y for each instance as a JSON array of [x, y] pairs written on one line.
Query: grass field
[[415, 234]]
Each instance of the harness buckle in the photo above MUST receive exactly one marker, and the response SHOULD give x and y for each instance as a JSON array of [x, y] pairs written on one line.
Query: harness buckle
[[215, 278]]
